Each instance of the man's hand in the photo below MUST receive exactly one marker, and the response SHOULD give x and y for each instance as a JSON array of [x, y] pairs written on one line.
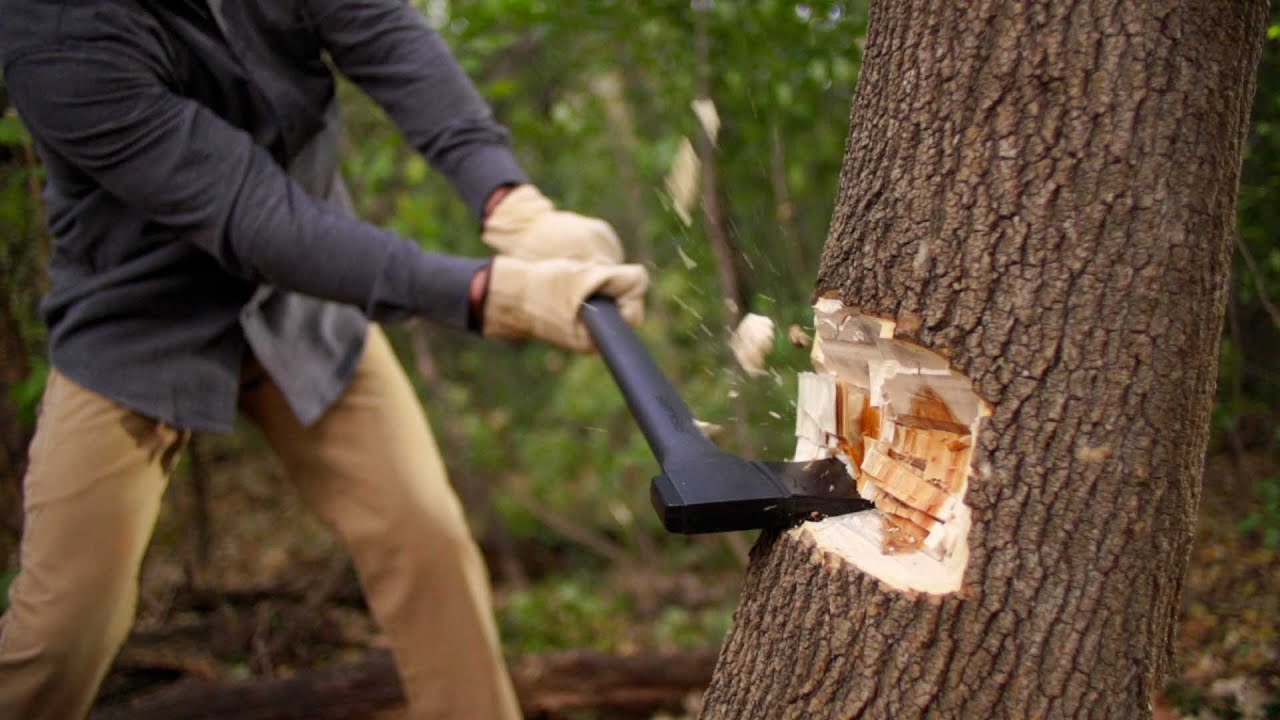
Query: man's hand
[[525, 224], [541, 298]]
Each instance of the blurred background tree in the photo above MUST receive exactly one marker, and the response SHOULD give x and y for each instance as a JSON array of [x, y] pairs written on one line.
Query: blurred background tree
[[1249, 383], [599, 97]]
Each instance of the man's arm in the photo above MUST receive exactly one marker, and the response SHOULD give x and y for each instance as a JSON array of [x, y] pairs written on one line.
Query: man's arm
[[104, 109], [386, 47]]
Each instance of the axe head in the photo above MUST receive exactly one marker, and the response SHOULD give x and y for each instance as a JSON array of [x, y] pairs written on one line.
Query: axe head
[[714, 491]]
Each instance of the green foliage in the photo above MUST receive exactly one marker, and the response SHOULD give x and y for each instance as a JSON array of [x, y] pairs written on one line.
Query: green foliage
[[567, 612], [12, 133], [583, 610], [26, 394], [6, 579], [1265, 518], [678, 626], [1249, 384], [23, 246]]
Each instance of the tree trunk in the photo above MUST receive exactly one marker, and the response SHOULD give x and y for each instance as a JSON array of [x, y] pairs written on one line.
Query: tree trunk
[[729, 261], [1046, 196]]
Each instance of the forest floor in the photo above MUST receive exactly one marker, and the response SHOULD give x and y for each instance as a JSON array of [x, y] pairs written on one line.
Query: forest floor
[[276, 596], [1229, 639]]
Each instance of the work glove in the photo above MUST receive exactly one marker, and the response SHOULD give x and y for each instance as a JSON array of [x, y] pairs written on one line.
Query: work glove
[[541, 298], [526, 225]]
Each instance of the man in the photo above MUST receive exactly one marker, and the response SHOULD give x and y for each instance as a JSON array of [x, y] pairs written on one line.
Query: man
[[197, 219]]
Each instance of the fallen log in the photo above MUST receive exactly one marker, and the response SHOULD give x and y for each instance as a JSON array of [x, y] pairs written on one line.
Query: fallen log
[[556, 683], [548, 685]]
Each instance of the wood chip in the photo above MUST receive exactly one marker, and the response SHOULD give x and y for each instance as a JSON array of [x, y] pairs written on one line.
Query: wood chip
[[901, 535], [887, 503], [798, 337], [751, 342], [709, 430], [682, 181], [903, 481]]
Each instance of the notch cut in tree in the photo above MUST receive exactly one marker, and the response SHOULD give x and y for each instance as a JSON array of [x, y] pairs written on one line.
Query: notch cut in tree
[[903, 423], [1044, 195]]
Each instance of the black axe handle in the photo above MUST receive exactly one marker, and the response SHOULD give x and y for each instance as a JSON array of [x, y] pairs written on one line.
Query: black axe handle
[[666, 421]]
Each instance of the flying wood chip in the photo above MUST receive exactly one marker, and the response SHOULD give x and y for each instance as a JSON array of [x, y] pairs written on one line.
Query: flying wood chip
[[682, 181], [751, 342], [798, 337]]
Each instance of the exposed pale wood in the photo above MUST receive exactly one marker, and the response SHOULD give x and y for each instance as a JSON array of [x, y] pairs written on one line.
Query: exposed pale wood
[[943, 448], [816, 406], [903, 481], [859, 540], [902, 535], [903, 423], [891, 505], [851, 402]]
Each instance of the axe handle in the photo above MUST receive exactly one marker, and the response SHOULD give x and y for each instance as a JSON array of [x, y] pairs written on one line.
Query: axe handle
[[665, 420]]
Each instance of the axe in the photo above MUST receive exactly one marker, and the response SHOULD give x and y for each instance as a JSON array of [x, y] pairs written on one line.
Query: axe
[[703, 489]]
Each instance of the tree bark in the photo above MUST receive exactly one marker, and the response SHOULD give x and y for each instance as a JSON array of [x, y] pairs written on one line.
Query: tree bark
[[1045, 194]]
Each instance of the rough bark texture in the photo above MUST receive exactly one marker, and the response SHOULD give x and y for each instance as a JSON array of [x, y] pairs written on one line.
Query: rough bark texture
[[1045, 194]]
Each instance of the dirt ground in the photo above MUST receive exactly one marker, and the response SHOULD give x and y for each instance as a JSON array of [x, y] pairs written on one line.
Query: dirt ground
[[1229, 655]]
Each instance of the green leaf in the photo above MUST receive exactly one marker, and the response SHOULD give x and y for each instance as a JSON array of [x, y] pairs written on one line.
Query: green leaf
[[6, 579], [1250, 523], [12, 132], [26, 394]]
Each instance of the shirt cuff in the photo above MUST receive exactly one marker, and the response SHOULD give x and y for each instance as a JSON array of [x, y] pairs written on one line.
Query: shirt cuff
[[484, 169], [429, 285]]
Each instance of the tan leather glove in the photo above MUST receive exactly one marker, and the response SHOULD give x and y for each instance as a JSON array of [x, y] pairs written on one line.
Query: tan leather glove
[[526, 225], [541, 298]]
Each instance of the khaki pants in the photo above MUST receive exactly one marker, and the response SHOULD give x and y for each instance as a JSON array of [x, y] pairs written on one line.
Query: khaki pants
[[370, 467]]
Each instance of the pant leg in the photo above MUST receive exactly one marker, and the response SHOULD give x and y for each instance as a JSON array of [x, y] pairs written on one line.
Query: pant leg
[[96, 472], [371, 468]]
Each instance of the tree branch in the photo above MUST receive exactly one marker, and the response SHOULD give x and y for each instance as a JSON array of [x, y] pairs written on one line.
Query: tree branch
[[1263, 297]]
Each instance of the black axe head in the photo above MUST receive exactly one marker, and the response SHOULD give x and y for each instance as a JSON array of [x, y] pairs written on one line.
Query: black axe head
[[713, 491]]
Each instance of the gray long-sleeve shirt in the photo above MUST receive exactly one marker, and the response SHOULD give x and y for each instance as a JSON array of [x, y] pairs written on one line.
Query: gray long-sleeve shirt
[[189, 150]]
